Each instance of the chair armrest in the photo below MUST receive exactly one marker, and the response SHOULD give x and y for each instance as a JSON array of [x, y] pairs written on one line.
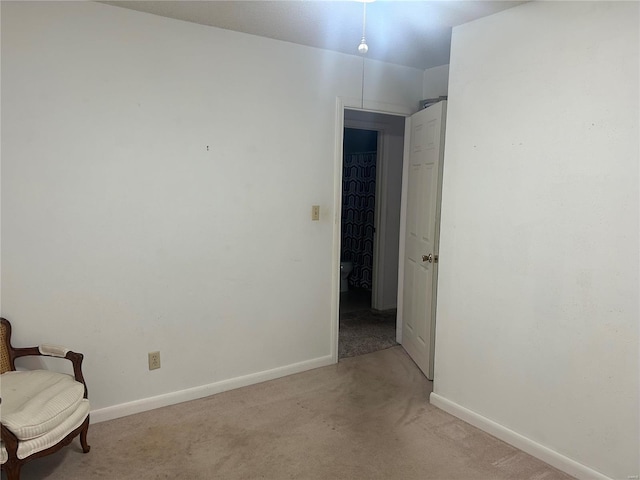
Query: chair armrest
[[23, 352], [46, 350], [53, 350]]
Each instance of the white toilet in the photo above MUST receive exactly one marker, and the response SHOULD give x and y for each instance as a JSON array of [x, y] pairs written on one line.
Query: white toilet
[[345, 270]]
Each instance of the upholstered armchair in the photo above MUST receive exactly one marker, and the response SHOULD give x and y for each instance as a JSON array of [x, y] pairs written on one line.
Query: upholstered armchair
[[41, 411]]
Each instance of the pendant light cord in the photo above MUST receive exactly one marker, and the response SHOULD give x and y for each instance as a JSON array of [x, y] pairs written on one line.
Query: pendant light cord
[[364, 18], [364, 24], [362, 86]]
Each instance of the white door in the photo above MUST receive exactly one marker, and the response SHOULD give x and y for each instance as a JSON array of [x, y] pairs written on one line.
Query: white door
[[426, 152]]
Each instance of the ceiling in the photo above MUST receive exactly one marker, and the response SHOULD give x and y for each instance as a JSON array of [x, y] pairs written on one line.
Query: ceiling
[[412, 33]]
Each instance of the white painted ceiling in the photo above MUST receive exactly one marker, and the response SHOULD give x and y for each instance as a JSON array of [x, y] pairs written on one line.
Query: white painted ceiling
[[412, 33]]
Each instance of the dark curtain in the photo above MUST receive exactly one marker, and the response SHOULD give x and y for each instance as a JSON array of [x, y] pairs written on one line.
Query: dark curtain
[[358, 212]]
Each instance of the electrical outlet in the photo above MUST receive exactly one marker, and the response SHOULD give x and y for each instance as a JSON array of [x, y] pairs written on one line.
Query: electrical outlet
[[154, 360], [315, 212]]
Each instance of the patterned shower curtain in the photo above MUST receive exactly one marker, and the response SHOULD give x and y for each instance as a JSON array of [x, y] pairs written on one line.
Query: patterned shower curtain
[[358, 212]]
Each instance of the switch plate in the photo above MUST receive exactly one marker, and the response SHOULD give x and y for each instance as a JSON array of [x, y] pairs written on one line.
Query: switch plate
[[315, 212], [154, 360]]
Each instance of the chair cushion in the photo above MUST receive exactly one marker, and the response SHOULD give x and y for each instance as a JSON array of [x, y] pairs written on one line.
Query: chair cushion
[[35, 402], [49, 439]]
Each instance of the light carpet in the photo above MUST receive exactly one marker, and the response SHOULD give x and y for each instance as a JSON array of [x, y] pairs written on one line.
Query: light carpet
[[367, 417]]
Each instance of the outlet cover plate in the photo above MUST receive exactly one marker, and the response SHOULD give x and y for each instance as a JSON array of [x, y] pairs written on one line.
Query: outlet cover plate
[[315, 212], [154, 360]]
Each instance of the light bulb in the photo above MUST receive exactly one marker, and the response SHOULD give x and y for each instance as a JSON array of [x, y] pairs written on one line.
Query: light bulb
[[363, 48]]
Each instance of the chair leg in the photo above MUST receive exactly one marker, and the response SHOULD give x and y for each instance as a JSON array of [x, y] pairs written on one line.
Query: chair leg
[[12, 470], [83, 437]]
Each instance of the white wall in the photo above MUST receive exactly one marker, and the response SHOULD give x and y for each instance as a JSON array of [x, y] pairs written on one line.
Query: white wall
[[157, 182], [537, 322], [436, 82]]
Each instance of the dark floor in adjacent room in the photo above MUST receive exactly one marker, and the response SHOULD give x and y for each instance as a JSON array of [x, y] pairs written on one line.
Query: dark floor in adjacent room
[[362, 329]]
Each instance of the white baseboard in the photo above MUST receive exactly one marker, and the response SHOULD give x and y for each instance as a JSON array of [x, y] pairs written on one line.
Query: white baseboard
[[525, 444], [142, 405]]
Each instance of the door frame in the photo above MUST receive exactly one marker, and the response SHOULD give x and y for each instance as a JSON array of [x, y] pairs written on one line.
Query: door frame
[[343, 103]]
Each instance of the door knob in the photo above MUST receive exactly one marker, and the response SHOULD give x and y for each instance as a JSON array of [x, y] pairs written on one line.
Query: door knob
[[427, 258]]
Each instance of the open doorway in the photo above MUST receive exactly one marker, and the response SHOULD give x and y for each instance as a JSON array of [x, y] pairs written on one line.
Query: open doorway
[[372, 156], [358, 225]]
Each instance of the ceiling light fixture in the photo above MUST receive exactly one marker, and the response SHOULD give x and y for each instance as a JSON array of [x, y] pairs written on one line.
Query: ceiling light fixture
[[363, 48]]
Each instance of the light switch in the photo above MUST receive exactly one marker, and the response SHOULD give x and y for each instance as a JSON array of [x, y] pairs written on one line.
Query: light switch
[[315, 212]]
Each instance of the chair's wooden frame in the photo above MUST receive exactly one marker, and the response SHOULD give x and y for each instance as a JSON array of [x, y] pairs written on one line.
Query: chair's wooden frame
[[13, 464]]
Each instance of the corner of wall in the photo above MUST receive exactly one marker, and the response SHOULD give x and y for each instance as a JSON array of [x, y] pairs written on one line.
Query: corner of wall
[[435, 82]]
